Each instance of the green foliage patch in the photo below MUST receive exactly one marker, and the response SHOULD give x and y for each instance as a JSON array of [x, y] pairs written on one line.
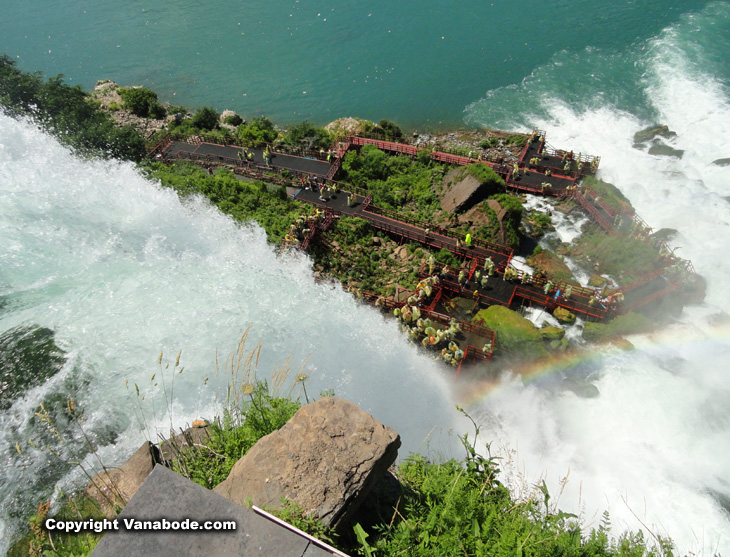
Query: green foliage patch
[[142, 102], [306, 135], [609, 193], [460, 508], [244, 201], [232, 435], [397, 182], [258, 132], [617, 255], [67, 113]]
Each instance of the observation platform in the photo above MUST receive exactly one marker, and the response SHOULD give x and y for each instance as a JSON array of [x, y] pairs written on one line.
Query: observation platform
[[541, 170]]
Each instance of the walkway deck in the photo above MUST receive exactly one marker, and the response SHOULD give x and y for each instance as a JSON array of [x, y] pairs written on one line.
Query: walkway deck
[[530, 291]]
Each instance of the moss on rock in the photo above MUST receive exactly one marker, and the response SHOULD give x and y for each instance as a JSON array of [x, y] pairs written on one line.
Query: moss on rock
[[564, 316], [552, 265], [552, 333], [597, 281], [515, 334], [629, 324]]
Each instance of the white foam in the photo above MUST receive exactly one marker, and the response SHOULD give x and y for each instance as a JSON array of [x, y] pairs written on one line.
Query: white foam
[[121, 270], [652, 447]]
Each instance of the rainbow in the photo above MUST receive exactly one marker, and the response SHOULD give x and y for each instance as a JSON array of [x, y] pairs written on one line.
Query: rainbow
[[694, 341]]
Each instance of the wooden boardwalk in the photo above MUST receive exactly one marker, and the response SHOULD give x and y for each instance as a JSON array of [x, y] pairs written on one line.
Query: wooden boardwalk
[[532, 178]]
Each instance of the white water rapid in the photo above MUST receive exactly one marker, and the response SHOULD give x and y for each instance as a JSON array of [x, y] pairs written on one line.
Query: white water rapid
[[120, 270]]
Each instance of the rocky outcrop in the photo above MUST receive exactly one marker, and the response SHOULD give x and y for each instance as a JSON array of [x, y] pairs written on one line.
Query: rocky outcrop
[[552, 265], [641, 138], [347, 126], [630, 323], [463, 189], [597, 281], [564, 316], [721, 162], [113, 488], [515, 334], [550, 333], [655, 138], [326, 459]]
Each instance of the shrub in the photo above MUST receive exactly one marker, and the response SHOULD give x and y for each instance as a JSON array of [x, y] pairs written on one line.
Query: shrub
[[233, 120], [205, 118], [487, 143], [257, 132], [67, 113], [389, 129], [142, 102], [308, 136]]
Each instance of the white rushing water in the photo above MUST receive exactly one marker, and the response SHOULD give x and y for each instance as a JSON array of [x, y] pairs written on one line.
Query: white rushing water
[[120, 270], [653, 448]]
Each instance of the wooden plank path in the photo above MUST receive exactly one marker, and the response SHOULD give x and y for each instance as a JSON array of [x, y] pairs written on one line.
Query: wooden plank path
[[529, 178]]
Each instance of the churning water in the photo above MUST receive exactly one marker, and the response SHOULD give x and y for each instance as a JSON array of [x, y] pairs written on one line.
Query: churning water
[[110, 269]]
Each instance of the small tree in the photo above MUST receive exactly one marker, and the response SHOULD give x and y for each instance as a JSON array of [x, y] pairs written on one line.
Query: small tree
[[142, 102], [258, 131], [308, 136], [205, 118]]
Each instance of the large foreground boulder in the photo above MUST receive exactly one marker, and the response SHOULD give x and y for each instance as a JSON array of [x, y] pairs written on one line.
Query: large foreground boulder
[[114, 487], [326, 459]]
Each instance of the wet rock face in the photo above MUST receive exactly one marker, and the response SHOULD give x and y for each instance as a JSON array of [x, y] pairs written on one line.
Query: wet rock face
[[113, 488], [326, 459], [655, 137], [564, 316], [642, 137], [515, 334]]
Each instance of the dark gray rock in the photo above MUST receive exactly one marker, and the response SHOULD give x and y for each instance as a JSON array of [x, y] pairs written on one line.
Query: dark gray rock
[[168, 495], [721, 162], [641, 138], [661, 149], [326, 459], [462, 190], [113, 488]]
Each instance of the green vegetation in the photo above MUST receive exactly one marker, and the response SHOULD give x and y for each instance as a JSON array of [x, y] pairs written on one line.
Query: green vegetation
[[511, 221], [257, 132], [307, 136], [357, 261], [205, 118], [231, 436], [67, 113], [386, 128], [609, 193], [64, 544], [617, 256], [460, 508], [484, 174], [142, 102], [244, 201], [397, 182], [233, 120], [539, 222], [629, 324]]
